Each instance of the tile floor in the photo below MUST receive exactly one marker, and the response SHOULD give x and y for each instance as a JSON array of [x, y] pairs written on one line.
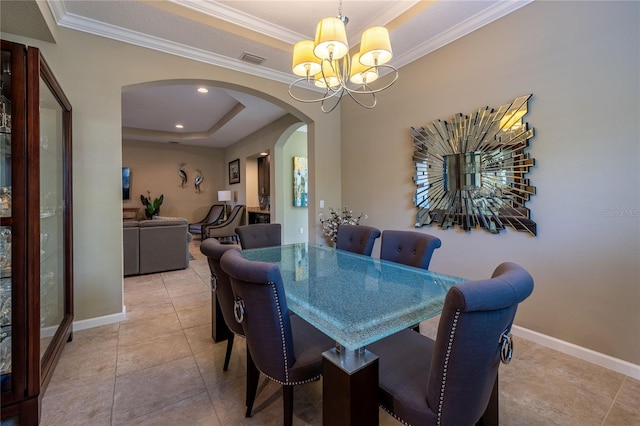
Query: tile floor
[[160, 367]]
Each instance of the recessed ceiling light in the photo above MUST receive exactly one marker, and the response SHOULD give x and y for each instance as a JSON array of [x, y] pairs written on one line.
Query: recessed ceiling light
[[203, 90], [179, 126], [264, 153]]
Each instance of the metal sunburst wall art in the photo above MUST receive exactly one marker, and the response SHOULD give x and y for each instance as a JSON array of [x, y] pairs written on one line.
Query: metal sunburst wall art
[[471, 170]]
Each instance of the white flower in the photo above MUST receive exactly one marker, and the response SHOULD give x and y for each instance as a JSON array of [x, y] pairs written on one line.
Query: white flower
[[330, 225]]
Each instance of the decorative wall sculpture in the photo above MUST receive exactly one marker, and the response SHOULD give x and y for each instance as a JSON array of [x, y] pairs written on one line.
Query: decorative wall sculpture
[[182, 174], [197, 181], [471, 170]]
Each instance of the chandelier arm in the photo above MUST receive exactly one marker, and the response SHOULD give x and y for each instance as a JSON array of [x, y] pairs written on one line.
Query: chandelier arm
[[355, 96], [327, 111], [327, 95], [380, 89], [339, 74]]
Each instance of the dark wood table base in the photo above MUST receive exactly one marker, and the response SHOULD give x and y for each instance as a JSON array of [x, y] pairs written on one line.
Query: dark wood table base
[[349, 388]]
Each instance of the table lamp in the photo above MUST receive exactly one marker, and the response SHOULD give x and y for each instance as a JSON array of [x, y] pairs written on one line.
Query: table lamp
[[224, 196]]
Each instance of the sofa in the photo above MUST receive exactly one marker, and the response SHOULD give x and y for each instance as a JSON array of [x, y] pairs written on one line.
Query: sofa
[[157, 245]]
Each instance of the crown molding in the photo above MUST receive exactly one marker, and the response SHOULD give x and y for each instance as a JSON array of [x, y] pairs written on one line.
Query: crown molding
[[136, 38], [79, 23], [468, 26], [236, 17]]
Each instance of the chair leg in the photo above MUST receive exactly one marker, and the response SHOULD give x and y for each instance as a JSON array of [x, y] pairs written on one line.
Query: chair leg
[[227, 356], [253, 374], [287, 399]]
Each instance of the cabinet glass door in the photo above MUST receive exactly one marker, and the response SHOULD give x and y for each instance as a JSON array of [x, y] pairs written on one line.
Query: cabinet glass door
[[52, 260], [5, 226]]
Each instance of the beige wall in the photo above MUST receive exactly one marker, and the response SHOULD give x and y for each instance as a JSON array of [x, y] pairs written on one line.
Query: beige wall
[[580, 61], [93, 71], [295, 218], [154, 168]]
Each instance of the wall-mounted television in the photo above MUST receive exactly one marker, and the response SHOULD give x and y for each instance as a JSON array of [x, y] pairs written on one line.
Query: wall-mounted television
[[126, 183]]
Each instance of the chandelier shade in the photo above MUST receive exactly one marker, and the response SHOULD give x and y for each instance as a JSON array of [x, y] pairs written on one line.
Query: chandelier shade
[[361, 74], [331, 39], [328, 77], [326, 63], [375, 47], [304, 61]]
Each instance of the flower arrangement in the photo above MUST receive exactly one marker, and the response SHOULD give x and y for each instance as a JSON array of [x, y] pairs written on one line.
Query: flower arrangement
[[330, 225], [151, 208]]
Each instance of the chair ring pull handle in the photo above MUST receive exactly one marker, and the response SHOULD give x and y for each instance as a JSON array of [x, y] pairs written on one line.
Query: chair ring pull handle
[[506, 347], [214, 282], [238, 310]]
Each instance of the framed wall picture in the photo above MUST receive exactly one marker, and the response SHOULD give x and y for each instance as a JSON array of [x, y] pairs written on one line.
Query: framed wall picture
[[300, 188], [234, 171]]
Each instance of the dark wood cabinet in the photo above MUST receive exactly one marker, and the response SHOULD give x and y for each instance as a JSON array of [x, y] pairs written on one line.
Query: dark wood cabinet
[[36, 253], [264, 181], [258, 216]]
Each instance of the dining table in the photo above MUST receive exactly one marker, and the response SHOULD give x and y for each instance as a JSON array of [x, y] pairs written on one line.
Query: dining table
[[355, 300]]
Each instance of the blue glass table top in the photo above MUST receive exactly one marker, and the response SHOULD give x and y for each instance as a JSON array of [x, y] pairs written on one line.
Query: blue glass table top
[[354, 299]]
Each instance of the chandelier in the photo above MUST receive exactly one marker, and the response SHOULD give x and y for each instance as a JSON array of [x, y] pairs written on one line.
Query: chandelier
[[326, 63]]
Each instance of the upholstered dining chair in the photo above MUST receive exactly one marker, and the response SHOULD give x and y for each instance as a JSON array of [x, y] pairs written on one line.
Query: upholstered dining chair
[[226, 229], [285, 348], [214, 250], [357, 238], [215, 214], [260, 235], [449, 381], [408, 247]]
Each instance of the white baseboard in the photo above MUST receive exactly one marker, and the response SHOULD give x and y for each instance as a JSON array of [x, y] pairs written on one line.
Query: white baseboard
[[97, 322], [606, 361]]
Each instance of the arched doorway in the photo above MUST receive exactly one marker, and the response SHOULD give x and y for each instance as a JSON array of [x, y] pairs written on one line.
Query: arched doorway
[[179, 148], [292, 144]]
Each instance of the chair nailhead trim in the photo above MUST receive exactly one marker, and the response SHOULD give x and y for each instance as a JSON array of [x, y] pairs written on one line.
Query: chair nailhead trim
[[446, 364], [313, 379], [394, 416], [284, 346]]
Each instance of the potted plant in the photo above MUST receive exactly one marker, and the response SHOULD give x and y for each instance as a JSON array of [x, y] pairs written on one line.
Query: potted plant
[[151, 208]]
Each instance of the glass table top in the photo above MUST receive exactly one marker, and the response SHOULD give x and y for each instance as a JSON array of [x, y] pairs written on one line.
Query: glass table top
[[354, 299]]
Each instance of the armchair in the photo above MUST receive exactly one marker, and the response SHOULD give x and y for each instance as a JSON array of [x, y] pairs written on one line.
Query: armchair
[[226, 229], [213, 217]]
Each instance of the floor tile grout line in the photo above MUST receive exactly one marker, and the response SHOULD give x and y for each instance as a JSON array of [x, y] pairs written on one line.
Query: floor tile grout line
[[613, 401], [115, 378]]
